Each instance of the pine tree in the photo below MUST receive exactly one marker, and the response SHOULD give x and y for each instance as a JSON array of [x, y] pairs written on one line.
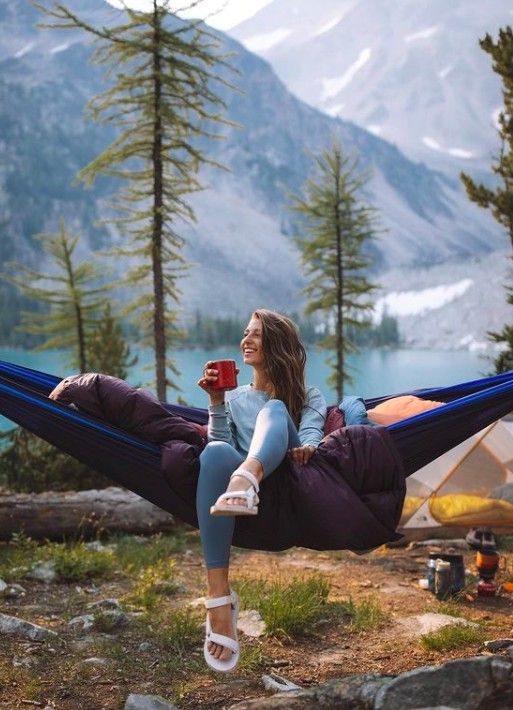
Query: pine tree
[[500, 199], [163, 103], [70, 289], [338, 227]]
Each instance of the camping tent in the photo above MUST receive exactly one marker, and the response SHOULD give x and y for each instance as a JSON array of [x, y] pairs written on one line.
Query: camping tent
[[469, 486]]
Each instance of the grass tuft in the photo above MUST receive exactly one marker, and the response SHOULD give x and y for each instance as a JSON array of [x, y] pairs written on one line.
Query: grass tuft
[[450, 608], [154, 581], [452, 636], [135, 556], [289, 608], [180, 631], [251, 659], [363, 615]]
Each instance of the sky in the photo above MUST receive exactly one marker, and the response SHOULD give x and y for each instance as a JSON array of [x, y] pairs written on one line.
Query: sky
[[228, 13]]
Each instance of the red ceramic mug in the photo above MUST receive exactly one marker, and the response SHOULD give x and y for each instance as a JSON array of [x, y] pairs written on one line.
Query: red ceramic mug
[[226, 374]]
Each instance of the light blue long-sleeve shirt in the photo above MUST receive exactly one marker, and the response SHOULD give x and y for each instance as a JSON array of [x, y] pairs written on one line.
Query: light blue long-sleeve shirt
[[234, 421]]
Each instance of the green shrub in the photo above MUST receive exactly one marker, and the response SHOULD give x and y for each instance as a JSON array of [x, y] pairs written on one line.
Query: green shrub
[[77, 563], [29, 464]]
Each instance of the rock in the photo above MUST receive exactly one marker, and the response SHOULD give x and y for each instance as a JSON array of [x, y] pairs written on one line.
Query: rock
[[95, 661], [251, 623], [24, 662], [147, 702], [498, 644], [278, 684], [456, 543], [13, 591], [145, 646], [464, 684], [344, 694], [87, 621], [105, 604], [26, 629], [97, 546], [43, 572], [469, 683], [420, 624], [114, 617]]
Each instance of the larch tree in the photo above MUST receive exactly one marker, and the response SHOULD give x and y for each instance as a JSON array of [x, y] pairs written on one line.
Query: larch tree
[[336, 229], [499, 199], [164, 100], [71, 291]]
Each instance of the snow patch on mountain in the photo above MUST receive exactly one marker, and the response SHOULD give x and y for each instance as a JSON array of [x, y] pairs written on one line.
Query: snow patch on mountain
[[374, 128], [495, 117], [260, 43], [422, 34], [456, 152], [409, 303], [331, 87], [427, 75], [431, 143], [461, 153], [59, 48], [24, 50], [445, 71], [328, 26], [468, 301], [335, 110]]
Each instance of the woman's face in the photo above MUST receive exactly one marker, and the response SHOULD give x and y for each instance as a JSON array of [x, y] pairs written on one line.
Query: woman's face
[[251, 344]]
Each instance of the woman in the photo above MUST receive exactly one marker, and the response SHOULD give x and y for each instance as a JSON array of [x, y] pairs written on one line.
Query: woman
[[251, 429]]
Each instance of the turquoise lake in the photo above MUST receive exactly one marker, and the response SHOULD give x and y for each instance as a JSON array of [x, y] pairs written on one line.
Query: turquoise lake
[[375, 372]]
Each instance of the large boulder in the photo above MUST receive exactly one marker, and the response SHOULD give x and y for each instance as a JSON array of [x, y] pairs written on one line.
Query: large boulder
[[465, 684]]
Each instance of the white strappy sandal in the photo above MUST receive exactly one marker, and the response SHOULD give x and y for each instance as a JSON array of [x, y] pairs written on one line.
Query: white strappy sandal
[[226, 641], [250, 495]]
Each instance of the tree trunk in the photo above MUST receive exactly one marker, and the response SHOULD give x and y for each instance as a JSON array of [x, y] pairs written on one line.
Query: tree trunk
[[56, 514], [159, 320]]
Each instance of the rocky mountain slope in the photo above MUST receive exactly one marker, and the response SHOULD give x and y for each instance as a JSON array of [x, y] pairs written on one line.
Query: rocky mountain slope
[[410, 72], [241, 244]]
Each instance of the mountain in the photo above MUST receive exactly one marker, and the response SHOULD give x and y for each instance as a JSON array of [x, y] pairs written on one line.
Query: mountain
[[410, 71], [240, 248]]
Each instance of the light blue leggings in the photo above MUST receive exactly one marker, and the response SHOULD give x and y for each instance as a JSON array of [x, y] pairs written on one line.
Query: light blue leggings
[[275, 433]]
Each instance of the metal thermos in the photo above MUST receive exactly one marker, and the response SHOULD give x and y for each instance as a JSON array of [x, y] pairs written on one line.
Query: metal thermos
[[443, 579]]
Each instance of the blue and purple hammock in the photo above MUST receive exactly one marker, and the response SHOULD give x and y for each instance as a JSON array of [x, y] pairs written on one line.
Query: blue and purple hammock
[[348, 497]]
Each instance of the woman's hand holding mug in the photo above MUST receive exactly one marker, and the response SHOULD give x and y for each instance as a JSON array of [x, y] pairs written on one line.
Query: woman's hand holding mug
[[218, 376]]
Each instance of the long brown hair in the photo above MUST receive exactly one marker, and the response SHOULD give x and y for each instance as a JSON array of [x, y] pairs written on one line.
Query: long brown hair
[[284, 360]]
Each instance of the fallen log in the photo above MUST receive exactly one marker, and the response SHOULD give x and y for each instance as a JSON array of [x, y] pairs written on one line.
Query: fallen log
[[56, 515]]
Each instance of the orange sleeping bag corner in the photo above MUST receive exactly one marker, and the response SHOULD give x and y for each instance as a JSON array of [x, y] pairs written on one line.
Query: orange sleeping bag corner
[[398, 408]]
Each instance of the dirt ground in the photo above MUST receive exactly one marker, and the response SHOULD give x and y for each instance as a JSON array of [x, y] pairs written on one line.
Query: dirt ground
[[59, 678]]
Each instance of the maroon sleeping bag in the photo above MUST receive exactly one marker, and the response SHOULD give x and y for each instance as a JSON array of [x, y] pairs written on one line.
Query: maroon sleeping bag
[[349, 495]]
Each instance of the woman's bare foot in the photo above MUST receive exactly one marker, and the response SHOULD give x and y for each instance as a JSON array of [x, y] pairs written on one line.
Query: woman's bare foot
[[239, 483]]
